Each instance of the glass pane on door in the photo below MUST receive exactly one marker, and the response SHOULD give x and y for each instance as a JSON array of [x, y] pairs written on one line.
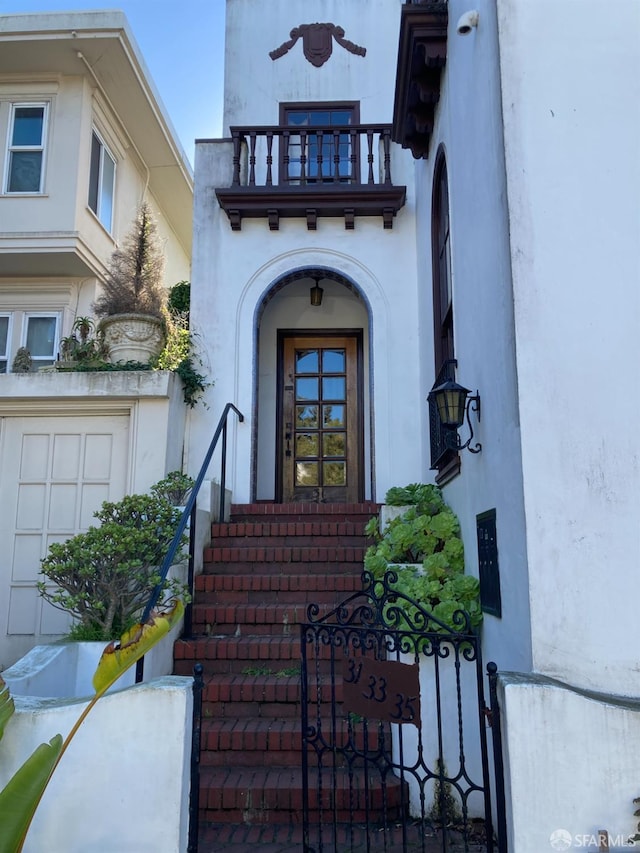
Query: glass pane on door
[[320, 445]]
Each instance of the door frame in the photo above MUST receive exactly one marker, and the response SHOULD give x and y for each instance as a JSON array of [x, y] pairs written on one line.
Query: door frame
[[357, 334]]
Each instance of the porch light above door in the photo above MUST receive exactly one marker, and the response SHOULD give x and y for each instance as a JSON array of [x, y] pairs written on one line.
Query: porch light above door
[[453, 405], [316, 292]]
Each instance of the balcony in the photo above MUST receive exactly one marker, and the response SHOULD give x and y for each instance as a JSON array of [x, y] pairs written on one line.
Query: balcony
[[329, 171], [422, 54]]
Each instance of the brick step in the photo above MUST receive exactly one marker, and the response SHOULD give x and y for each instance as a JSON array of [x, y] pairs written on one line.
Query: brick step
[[254, 619], [248, 570], [291, 582], [287, 529], [242, 655], [294, 540], [273, 685], [263, 742], [327, 836], [268, 699], [276, 588], [235, 654], [274, 795], [246, 557], [356, 513]]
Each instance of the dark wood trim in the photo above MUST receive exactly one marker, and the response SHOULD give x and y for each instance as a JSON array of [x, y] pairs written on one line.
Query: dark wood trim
[[290, 106], [260, 192], [305, 131], [443, 334], [444, 457], [310, 202], [282, 334], [422, 54], [448, 470]]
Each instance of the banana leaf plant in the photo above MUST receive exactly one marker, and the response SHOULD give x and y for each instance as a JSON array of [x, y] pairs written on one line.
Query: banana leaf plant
[[22, 794]]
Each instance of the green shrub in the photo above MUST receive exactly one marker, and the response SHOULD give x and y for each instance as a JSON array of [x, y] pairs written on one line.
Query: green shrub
[[179, 355], [425, 496], [179, 299], [105, 576], [175, 488], [432, 540]]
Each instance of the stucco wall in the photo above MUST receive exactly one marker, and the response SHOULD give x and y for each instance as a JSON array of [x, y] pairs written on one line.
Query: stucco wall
[[572, 762], [123, 784], [254, 83], [469, 128], [234, 271], [570, 86]]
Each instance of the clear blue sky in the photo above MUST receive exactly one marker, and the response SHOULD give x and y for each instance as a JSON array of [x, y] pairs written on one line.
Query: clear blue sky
[[182, 44]]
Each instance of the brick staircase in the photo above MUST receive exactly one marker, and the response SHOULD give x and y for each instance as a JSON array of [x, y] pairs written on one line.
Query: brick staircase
[[260, 573]]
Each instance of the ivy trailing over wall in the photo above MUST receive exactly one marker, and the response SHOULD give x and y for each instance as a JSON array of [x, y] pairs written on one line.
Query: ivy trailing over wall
[[180, 353]]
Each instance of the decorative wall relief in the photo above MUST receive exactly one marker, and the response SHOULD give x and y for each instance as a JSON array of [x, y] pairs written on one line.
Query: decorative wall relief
[[317, 43]]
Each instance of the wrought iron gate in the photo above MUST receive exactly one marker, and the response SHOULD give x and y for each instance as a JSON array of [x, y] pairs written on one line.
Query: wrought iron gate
[[394, 743]]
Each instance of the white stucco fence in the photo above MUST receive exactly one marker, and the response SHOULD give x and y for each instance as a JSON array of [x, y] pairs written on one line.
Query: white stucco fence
[[573, 760], [123, 784]]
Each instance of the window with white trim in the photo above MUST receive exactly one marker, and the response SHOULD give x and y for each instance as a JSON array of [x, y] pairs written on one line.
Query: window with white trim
[[5, 339], [25, 153], [40, 337], [102, 177], [37, 331]]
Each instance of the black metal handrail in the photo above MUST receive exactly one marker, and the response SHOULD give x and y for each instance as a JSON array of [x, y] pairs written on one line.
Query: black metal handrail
[[188, 516]]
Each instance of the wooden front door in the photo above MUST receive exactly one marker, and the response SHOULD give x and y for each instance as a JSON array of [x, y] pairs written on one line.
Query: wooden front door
[[320, 432]]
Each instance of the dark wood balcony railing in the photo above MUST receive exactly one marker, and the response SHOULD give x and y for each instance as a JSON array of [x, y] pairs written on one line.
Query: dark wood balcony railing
[[342, 171]]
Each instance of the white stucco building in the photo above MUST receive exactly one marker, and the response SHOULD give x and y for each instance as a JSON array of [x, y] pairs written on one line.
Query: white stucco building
[[505, 256]]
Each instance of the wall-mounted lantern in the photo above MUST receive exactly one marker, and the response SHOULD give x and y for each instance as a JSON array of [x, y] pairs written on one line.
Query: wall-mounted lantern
[[453, 404]]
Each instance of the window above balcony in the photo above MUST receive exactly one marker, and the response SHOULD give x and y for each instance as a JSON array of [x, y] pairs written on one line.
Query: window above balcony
[[422, 54], [319, 162]]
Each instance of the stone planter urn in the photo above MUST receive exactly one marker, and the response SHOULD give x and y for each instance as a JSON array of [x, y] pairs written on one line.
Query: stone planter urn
[[133, 337]]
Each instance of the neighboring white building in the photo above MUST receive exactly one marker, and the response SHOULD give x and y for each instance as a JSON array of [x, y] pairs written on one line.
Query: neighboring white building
[[84, 141], [514, 251]]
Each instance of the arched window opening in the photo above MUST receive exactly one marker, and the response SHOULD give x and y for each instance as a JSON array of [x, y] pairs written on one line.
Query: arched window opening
[[444, 455]]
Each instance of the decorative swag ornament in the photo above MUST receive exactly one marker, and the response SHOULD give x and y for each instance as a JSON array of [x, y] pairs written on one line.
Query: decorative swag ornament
[[317, 44]]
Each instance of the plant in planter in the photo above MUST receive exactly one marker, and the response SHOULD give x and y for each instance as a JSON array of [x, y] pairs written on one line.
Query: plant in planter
[[85, 345], [105, 576], [132, 302], [424, 548]]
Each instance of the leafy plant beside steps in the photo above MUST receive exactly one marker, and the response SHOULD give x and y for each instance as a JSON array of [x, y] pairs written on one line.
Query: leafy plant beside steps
[[424, 548], [104, 576]]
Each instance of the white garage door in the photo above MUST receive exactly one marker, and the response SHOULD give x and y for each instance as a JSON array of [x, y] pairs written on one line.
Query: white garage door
[[54, 473]]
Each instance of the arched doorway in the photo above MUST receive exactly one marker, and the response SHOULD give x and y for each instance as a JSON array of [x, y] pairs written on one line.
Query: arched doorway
[[313, 439]]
